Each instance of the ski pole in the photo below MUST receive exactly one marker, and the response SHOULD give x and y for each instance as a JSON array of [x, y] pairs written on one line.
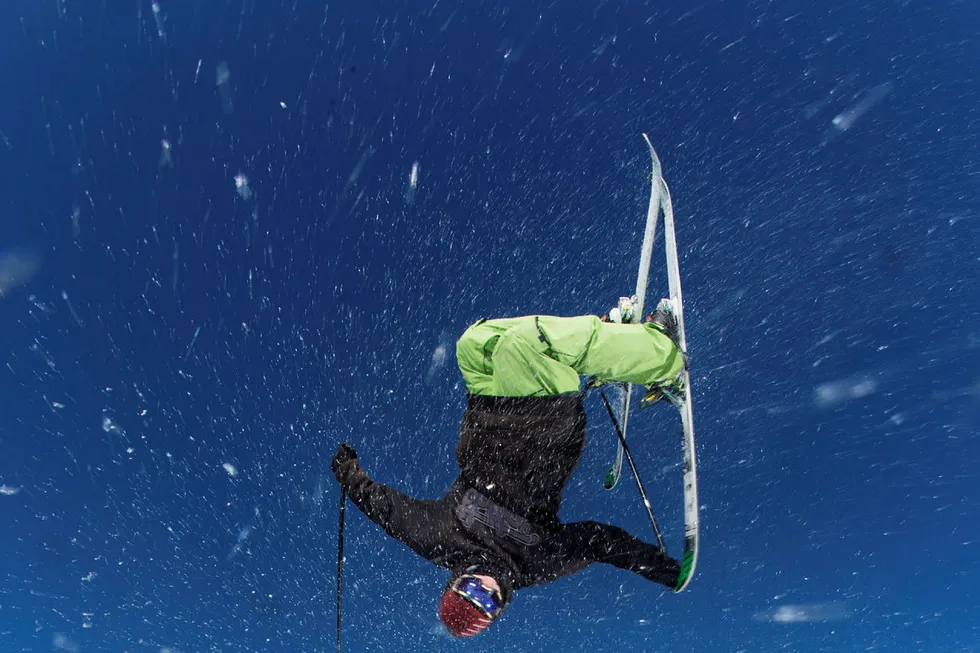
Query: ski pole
[[340, 561], [636, 474]]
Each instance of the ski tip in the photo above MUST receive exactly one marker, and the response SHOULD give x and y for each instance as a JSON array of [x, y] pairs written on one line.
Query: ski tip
[[687, 570], [653, 155], [610, 480]]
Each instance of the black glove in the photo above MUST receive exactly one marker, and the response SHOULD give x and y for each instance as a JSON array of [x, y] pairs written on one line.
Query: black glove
[[345, 452], [660, 568]]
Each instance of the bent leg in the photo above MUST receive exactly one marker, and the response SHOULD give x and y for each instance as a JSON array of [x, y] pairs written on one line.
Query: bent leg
[[632, 353], [540, 355], [508, 358]]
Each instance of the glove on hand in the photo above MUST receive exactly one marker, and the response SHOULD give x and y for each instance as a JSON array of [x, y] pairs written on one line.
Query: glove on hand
[[660, 568], [345, 453]]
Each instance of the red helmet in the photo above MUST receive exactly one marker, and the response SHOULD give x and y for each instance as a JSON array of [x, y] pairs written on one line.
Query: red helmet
[[468, 606]]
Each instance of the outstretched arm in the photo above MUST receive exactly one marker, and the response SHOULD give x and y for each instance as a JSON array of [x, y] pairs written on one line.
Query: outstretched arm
[[414, 522], [612, 545]]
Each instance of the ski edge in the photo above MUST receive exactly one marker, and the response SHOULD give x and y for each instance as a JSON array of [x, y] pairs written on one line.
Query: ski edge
[[691, 517]]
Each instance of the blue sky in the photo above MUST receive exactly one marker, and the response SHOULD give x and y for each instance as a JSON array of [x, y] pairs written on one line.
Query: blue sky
[[214, 268]]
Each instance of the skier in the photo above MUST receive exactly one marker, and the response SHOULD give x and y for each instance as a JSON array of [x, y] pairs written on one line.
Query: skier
[[522, 434]]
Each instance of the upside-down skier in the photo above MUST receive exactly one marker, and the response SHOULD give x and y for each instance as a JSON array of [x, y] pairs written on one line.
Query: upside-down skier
[[522, 434]]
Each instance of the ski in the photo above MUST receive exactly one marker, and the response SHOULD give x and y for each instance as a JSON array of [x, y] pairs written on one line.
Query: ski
[[684, 407], [642, 275], [660, 200]]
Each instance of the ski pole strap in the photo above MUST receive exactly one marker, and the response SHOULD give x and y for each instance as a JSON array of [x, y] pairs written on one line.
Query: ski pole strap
[[636, 474], [340, 561]]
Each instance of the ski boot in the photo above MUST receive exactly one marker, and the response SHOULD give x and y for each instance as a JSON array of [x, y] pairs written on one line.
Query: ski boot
[[665, 320], [623, 312]]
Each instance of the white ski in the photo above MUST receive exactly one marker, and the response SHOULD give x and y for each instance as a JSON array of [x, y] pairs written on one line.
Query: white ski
[[646, 253], [660, 199], [691, 521]]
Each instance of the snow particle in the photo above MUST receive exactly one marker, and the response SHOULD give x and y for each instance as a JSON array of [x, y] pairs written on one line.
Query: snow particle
[[241, 185], [805, 613], [17, 268]]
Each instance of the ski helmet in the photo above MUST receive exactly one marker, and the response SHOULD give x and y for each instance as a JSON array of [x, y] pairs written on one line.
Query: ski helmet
[[468, 606]]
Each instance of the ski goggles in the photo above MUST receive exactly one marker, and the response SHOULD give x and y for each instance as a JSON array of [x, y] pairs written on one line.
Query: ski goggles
[[486, 599]]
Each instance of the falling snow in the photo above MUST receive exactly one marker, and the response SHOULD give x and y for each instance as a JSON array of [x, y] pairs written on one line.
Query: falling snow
[[235, 235]]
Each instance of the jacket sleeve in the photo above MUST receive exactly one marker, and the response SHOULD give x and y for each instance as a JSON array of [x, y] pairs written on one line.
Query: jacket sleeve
[[414, 522], [594, 542]]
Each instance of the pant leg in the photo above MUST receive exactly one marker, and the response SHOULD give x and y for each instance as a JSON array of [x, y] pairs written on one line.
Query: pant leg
[[633, 353], [508, 358], [544, 355]]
